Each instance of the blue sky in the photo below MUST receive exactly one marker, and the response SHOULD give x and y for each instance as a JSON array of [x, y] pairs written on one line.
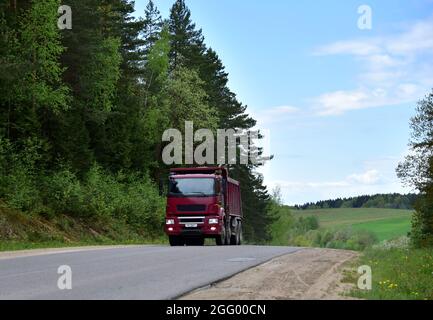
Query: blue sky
[[335, 100]]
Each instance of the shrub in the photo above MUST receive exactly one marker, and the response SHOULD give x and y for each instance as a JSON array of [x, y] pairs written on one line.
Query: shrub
[[282, 225], [305, 232], [399, 243], [422, 222], [18, 174], [102, 194], [129, 197], [347, 238], [307, 223], [63, 192]]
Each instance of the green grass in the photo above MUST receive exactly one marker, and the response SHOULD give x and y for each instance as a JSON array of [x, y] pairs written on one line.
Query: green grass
[[398, 274], [385, 223], [387, 228]]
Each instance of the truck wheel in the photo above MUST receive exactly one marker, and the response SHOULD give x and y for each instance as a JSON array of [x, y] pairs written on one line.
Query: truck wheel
[[176, 241], [235, 238], [228, 234], [239, 235], [221, 238]]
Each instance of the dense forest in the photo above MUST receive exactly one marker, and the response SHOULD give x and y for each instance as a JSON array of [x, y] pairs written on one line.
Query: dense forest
[[83, 110], [390, 201]]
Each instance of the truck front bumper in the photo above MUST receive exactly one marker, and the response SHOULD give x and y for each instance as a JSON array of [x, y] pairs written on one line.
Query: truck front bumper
[[205, 230]]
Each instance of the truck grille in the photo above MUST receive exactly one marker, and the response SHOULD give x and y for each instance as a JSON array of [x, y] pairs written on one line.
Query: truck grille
[[191, 208], [187, 220]]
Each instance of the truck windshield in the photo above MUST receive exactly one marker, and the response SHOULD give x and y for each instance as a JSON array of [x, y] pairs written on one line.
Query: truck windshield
[[192, 187]]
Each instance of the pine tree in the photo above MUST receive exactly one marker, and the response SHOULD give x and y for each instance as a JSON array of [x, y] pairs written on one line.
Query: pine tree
[[188, 49], [152, 25], [36, 92], [187, 43]]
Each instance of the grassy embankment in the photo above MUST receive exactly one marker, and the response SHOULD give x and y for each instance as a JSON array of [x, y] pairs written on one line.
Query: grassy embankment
[[20, 231], [398, 271]]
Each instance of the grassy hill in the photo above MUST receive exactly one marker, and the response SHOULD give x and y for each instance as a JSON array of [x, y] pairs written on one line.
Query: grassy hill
[[385, 223]]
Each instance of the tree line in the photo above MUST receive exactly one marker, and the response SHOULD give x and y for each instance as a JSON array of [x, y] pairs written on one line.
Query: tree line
[[390, 201], [83, 110]]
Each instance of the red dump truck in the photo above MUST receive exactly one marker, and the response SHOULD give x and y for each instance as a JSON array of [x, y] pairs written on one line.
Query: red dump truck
[[203, 203]]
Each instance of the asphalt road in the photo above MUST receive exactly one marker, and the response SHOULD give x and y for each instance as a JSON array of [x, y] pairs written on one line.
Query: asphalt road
[[144, 272]]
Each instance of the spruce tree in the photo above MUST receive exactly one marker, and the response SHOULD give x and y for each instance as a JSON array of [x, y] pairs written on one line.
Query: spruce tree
[[187, 43], [152, 25]]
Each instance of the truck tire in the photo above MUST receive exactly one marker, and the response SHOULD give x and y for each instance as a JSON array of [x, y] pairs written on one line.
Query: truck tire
[[228, 234], [221, 238], [176, 241], [239, 235], [232, 239], [235, 238]]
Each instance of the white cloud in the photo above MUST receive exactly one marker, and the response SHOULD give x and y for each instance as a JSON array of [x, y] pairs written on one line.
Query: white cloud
[[294, 185], [283, 110], [417, 39], [353, 47], [369, 177], [378, 176], [396, 69], [339, 102], [275, 114], [335, 103]]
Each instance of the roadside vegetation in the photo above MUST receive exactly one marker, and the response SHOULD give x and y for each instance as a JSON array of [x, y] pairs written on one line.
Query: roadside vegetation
[[345, 228], [82, 113], [397, 244], [23, 231], [398, 272]]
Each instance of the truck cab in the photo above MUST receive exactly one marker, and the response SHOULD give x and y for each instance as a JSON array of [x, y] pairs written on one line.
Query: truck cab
[[203, 203]]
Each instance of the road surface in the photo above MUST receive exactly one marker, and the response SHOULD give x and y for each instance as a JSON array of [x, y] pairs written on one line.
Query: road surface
[[140, 272]]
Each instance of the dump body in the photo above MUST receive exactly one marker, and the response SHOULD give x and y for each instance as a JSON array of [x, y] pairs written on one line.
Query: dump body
[[203, 203]]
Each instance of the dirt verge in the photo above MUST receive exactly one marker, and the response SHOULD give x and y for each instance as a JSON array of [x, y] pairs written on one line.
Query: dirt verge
[[306, 274]]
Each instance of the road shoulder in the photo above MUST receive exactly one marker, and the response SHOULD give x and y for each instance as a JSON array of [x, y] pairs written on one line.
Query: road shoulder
[[306, 274], [47, 251]]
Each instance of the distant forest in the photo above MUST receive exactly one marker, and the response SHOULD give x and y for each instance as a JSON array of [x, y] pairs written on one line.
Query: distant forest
[[390, 201]]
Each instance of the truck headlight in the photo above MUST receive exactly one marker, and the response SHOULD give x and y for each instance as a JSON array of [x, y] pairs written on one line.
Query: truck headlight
[[169, 221], [213, 221]]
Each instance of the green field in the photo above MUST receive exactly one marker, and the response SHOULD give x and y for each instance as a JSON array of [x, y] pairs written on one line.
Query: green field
[[385, 223]]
